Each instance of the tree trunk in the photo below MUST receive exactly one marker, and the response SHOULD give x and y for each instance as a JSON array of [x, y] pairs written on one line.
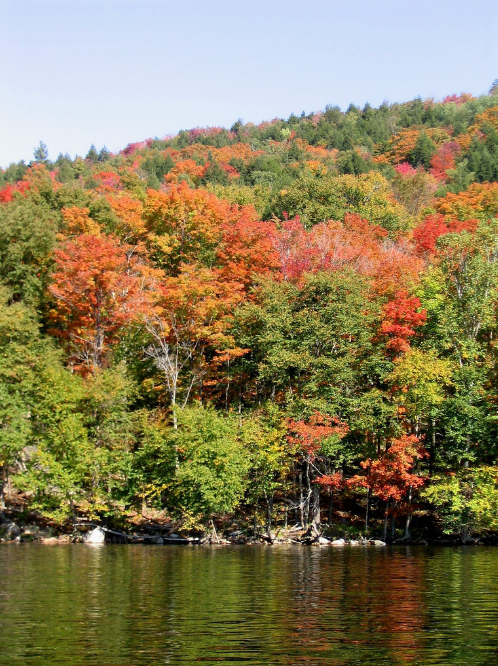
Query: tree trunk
[[306, 507], [315, 507], [385, 520], [331, 502], [269, 512], [2, 490], [367, 514], [408, 516], [301, 499], [432, 450], [294, 497]]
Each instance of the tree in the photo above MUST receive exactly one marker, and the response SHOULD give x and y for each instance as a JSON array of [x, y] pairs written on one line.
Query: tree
[[390, 477], [264, 436], [423, 151], [104, 155], [189, 325], [41, 153], [27, 238], [184, 226], [466, 502], [413, 188], [20, 351], [212, 466], [92, 154], [401, 317], [309, 438], [98, 291]]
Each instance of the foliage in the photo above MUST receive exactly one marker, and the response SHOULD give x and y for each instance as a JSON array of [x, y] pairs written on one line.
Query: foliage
[[238, 322], [466, 502]]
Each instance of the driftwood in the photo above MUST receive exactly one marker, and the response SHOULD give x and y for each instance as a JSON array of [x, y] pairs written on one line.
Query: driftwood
[[264, 537], [180, 540]]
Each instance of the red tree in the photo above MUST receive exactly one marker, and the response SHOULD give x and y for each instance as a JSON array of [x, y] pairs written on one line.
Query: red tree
[[401, 319]]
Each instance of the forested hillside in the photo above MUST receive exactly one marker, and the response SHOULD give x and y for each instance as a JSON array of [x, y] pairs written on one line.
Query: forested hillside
[[287, 322]]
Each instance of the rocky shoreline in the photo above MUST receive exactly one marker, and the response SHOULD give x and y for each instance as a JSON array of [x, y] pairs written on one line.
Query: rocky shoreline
[[97, 534], [92, 533]]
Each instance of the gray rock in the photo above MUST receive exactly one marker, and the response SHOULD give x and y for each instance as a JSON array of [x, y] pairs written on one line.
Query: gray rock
[[9, 531], [30, 533], [95, 536], [338, 542], [377, 542], [322, 541], [156, 539]]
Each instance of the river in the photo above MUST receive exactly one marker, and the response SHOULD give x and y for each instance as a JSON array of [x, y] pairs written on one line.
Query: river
[[81, 605]]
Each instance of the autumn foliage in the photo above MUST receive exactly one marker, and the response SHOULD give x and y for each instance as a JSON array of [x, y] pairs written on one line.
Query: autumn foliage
[[98, 291], [391, 476], [254, 321]]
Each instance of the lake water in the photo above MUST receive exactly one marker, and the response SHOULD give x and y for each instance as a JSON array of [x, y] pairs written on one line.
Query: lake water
[[137, 605]]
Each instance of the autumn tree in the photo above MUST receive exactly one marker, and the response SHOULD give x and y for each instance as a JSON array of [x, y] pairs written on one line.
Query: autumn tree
[[189, 325], [391, 476], [309, 437], [97, 290]]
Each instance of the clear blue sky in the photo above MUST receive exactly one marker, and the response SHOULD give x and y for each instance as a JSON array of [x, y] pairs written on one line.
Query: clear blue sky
[[77, 72]]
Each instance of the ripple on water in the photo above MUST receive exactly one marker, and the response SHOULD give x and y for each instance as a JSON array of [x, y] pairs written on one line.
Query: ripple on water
[[135, 605]]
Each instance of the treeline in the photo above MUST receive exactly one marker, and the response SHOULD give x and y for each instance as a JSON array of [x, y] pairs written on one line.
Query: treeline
[[294, 321]]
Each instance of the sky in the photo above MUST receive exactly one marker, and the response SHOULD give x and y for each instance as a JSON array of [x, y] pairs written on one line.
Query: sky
[[110, 72]]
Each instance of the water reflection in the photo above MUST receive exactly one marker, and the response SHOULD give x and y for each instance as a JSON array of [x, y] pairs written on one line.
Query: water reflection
[[135, 605]]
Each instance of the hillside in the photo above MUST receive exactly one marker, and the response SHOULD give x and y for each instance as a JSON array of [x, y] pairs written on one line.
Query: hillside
[[287, 322]]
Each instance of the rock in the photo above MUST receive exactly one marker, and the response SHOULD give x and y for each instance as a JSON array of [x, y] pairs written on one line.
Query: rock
[[31, 533], [95, 536], [9, 531], [338, 542], [156, 540], [377, 542], [322, 541]]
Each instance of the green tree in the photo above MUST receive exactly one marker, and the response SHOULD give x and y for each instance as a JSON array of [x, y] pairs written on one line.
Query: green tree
[[423, 151], [211, 474], [27, 238], [40, 153], [92, 154], [466, 503]]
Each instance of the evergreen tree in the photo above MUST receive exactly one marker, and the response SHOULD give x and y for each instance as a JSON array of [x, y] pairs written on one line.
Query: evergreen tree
[[423, 151], [104, 155], [41, 153], [92, 154]]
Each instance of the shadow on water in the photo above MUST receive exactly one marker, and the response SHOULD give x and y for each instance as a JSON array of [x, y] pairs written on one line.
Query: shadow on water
[[135, 605]]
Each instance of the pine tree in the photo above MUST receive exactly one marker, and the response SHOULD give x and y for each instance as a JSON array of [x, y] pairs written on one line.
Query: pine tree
[[40, 153]]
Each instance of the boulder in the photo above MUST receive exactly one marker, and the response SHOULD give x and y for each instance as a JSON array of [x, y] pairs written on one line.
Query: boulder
[[377, 542], [338, 542], [322, 541], [95, 536], [30, 533], [9, 531], [155, 539]]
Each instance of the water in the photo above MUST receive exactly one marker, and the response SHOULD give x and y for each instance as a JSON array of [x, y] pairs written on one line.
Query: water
[[135, 605]]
